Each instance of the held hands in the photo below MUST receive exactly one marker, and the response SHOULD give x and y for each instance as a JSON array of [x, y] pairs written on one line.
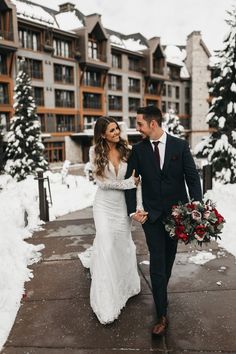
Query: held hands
[[140, 216], [136, 179]]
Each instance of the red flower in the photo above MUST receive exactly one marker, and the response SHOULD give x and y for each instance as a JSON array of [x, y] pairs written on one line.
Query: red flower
[[220, 218], [179, 231], [191, 206], [200, 230]]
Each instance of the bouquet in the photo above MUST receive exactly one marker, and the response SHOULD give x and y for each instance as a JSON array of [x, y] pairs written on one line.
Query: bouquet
[[194, 221]]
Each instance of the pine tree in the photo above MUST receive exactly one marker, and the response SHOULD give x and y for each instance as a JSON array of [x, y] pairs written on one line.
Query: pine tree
[[172, 124], [24, 151], [220, 146]]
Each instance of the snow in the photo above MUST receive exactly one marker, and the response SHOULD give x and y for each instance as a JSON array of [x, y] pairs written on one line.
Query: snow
[[201, 257], [68, 21], [19, 201], [177, 56], [34, 13], [129, 44]]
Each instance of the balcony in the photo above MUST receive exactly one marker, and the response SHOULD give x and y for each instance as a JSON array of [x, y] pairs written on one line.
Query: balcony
[[65, 103], [8, 36], [90, 82], [64, 79], [92, 105]]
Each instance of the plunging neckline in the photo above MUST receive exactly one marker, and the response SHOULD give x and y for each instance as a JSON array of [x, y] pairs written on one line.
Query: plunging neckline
[[116, 171]]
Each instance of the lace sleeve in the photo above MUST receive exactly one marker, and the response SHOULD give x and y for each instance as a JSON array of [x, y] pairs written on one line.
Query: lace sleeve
[[139, 197], [116, 184], [92, 158]]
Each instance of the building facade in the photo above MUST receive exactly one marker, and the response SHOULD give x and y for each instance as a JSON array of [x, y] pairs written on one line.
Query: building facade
[[81, 71]]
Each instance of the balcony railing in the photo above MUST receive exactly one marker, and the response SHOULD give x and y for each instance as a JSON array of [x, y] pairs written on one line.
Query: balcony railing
[[36, 74], [6, 35], [92, 105], [64, 78], [90, 82], [99, 57], [115, 107], [115, 87], [65, 103], [134, 89]]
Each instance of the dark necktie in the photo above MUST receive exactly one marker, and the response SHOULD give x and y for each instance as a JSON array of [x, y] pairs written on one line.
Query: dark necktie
[[156, 152]]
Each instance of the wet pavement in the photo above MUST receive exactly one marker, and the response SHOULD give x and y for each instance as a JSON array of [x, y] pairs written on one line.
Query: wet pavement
[[55, 316]]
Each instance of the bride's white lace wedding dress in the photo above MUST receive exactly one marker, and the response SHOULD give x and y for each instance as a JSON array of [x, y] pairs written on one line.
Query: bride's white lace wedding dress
[[112, 258]]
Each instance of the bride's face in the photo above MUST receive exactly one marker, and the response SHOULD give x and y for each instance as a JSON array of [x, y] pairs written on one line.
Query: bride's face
[[112, 134]]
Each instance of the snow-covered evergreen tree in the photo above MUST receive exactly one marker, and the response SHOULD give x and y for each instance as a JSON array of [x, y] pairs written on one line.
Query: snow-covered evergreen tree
[[172, 124], [220, 146], [24, 151]]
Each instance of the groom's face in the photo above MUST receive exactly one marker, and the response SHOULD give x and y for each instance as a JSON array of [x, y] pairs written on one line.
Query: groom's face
[[142, 126]]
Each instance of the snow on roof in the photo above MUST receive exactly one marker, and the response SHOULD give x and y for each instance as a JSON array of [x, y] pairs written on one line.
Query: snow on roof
[[175, 55], [68, 21], [34, 13], [129, 43]]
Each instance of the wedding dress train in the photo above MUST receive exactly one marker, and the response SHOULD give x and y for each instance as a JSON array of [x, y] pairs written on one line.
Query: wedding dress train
[[112, 258]]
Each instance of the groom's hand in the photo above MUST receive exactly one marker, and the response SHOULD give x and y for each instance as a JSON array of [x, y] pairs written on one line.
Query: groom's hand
[[140, 216]]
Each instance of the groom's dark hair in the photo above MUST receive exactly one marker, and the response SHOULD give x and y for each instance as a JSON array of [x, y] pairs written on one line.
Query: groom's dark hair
[[151, 113]]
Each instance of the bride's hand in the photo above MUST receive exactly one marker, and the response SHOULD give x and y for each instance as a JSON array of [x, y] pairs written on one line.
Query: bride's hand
[[136, 179]]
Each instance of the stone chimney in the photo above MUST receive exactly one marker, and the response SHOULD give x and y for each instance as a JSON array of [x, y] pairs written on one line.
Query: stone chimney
[[67, 6]]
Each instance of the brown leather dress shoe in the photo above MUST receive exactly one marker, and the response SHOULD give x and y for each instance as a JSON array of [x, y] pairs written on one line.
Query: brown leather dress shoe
[[160, 328]]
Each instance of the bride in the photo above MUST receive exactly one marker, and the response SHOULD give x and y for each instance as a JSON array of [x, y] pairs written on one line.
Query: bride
[[112, 258]]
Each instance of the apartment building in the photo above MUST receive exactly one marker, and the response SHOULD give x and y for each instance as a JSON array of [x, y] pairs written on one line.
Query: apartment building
[[80, 71]]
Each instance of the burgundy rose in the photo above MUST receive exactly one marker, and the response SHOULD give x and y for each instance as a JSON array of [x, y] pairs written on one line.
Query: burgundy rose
[[200, 231], [179, 231]]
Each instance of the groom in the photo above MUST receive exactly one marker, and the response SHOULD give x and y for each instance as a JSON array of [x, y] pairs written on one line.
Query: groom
[[166, 166]]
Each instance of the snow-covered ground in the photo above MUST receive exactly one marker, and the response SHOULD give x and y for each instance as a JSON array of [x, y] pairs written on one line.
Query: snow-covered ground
[[19, 202], [19, 205]]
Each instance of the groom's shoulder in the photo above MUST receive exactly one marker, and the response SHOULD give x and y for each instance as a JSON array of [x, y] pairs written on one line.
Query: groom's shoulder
[[177, 141]]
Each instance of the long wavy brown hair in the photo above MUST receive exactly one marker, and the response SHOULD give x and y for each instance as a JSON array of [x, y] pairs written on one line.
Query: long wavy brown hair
[[102, 148]]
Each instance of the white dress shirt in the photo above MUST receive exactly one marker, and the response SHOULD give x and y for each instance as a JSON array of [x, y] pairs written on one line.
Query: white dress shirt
[[161, 147]]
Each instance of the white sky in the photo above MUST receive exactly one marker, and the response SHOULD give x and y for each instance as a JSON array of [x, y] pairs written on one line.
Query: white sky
[[172, 20]]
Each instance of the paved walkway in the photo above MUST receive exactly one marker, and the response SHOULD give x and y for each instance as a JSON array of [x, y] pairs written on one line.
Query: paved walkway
[[55, 317]]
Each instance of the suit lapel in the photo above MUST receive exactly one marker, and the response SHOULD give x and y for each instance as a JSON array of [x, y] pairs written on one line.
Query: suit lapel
[[149, 151]]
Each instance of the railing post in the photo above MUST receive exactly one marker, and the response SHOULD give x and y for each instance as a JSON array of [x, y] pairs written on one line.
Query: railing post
[[207, 178], [42, 199]]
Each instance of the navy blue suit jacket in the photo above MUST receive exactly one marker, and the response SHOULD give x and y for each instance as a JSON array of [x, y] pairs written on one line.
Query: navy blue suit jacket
[[161, 189]]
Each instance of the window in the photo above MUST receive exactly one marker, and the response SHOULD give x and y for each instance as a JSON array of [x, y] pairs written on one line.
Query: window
[[134, 85], [65, 123], [64, 98], [55, 151], [4, 96], [116, 60], [177, 92], [164, 90], [134, 64], [187, 93], [177, 107], [34, 67], [163, 106], [3, 64], [115, 82], [187, 108], [92, 101], [134, 104], [158, 65], [64, 73], [29, 39], [169, 88], [117, 118], [93, 49], [92, 78], [42, 120], [132, 122], [152, 103], [89, 121], [62, 48], [38, 96], [114, 103]]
